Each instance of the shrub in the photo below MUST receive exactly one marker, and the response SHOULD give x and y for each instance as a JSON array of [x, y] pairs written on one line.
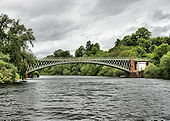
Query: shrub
[[119, 73], [165, 66], [7, 71], [151, 71], [35, 74]]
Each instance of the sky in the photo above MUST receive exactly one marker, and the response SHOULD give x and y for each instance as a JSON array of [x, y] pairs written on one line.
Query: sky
[[68, 24]]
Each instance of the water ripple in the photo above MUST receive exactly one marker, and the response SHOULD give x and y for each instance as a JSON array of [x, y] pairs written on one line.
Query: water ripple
[[86, 98]]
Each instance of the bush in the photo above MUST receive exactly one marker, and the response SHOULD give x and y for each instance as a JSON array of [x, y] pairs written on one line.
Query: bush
[[66, 72], [104, 71], [17, 76], [35, 74], [119, 73], [7, 70], [165, 66], [151, 71], [159, 52]]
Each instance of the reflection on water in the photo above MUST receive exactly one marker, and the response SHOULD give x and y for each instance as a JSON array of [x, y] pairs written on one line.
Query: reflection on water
[[51, 98]]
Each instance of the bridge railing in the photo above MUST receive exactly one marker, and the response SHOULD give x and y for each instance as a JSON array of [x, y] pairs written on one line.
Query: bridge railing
[[84, 58]]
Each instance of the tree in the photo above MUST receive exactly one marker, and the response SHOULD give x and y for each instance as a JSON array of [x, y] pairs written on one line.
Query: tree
[[66, 71], [118, 42], [160, 40], [151, 71], [127, 40], [145, 44], [14, 39], [85, 69], [105, 71], [159, 52], [4, 27], [89, 46], [119, 73], [66, 53], [165, 65], [57, 53], [94, 50], [80, 51], [143, 33], [61, 53], [97, 45], [49, 56], [140, 33], [140, 52]]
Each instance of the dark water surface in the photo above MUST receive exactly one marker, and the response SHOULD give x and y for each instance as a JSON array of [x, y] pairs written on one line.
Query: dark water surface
[[53, 98]]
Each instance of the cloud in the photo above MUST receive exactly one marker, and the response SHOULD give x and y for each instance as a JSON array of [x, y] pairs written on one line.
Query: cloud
[[37, 8], [111, 7], [51, 29], [160, 30], [67, 24], [160, 15]]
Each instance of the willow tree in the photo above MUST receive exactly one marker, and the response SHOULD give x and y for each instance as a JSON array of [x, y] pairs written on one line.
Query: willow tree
[[14, 40]]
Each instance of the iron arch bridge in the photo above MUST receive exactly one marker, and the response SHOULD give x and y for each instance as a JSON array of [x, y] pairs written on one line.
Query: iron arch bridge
[[126, 64]]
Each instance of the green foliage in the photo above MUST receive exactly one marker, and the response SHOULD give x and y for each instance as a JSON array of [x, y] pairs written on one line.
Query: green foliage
[[140, 52], [165, 65], [7, 70], [143, 33], [122, 51], [14, 39], [1, 78], [94, 50], [105, 71], [66, 71], [3, 57], [85, 69], [137, 45], [35, 74], [97, 46], [89, 46], [117, 42], [80, 51], [159, 52], [145, 44], [127, 40], [62, 53], [151, 71], [17, 76], [132, 40], [119, 73], [160, 40]]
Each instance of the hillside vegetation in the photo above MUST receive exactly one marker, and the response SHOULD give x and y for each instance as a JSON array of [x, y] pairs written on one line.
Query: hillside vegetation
[[138, 45]]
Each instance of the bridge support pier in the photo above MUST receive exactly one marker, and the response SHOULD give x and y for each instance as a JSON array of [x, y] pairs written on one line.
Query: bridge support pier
[[28, 75], [134, 72], [135, 75]]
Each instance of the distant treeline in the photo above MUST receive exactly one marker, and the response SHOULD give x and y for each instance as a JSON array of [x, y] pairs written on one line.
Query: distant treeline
[[138, 44]]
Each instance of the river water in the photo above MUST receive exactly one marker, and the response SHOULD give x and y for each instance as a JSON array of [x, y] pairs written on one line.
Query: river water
[[55, 98]]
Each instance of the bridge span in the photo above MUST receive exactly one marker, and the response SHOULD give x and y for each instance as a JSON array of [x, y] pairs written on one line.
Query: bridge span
[[130, 65]]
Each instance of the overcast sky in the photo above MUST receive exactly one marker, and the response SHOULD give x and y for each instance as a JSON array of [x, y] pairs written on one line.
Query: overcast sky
[[67, 24]]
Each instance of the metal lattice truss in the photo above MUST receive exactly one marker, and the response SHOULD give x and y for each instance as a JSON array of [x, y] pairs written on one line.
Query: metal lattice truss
[[122, 64]]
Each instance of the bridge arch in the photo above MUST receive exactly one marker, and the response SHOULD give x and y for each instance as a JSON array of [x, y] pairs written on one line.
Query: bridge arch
[[122, 64], [103, 64]]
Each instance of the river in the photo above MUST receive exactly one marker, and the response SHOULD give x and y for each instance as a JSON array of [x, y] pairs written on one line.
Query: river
[[55, 98]]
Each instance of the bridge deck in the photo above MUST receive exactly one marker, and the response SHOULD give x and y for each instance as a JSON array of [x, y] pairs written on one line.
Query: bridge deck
[[119, 63]]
